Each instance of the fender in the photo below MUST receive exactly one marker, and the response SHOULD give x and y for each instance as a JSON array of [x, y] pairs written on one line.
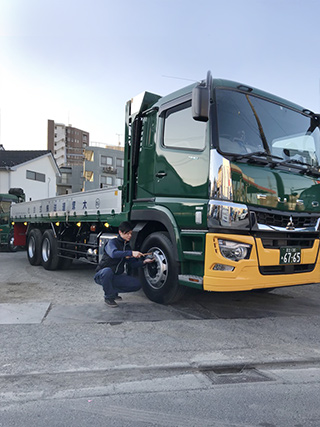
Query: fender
[[163, 216]]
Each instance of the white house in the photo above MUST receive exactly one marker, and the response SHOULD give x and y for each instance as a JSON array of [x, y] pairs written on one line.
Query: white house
[[34, 171]]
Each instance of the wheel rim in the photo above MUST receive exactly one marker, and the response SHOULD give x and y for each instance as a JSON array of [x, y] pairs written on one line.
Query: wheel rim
[[46, 250], [156, 273], [31, 247], [11, 242]]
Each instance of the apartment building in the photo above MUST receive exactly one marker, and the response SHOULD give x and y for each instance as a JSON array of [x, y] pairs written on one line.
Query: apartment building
[[67, 143], [103, 167]]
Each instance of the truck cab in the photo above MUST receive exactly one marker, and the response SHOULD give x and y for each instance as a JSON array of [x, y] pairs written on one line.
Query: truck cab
[[6, 226]]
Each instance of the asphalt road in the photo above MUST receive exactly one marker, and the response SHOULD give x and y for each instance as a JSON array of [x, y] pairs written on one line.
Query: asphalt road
[[239, 359]]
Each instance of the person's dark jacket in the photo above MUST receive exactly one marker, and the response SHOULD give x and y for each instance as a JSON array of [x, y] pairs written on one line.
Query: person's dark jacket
[[114, 256]]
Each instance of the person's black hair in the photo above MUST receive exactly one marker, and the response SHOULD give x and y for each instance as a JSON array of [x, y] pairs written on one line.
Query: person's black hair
[[125, 226]]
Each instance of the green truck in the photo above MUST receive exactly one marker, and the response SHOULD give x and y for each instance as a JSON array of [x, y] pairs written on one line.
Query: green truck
[[15, 195], [221, 182]]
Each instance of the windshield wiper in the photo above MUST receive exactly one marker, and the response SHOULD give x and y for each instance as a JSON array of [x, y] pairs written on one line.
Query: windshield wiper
[[302, 166], [297, 162], [256, 154]]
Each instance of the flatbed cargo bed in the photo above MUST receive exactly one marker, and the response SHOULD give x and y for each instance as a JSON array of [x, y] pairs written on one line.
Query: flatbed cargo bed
[[75, 206]]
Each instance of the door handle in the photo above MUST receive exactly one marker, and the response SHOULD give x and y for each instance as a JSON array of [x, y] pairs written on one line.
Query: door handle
[[161, 174]]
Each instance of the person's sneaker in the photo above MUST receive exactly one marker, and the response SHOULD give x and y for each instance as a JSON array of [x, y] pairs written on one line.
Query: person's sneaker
[[110, 302], [117, 298]]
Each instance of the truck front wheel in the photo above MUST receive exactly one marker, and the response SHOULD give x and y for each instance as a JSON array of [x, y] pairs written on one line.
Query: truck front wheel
[[34, 247], [49, 251], [160, 278], [11, 246]]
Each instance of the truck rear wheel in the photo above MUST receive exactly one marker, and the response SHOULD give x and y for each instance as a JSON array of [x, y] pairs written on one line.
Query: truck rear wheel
[[49, 251], [34, 247], [160, 278]]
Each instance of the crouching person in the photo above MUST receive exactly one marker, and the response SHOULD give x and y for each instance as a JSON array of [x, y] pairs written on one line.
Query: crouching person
[[110, 270]]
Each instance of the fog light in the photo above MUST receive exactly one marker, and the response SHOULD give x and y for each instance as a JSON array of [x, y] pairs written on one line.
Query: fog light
[[234, 251], [223, 267]]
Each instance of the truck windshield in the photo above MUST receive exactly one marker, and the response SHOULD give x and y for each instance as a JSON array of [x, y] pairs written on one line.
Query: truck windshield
[[248, 124], [4, 206]]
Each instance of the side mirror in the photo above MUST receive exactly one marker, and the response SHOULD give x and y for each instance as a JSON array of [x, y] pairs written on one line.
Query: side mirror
[[201, 99]]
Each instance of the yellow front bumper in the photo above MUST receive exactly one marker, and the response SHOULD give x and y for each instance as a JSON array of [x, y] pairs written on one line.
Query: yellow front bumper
[[246, 274]]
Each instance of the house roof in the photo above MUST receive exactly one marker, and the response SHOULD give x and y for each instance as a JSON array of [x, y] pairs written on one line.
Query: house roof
[[16, 157]]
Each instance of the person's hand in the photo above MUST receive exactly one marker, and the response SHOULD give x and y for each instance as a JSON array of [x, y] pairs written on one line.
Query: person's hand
[[148, 260], [137, 254]]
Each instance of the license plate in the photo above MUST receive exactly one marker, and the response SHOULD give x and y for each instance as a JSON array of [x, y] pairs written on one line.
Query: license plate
[[290, 255]]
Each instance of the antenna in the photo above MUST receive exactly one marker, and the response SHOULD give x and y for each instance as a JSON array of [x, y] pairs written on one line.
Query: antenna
[[180, 78]]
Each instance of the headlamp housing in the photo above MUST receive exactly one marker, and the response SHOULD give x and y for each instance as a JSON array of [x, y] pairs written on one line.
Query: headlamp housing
[[234, 251]]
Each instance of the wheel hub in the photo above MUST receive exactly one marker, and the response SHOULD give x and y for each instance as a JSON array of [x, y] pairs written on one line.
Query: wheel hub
[[46, 250], [31, 247], [156, 273]]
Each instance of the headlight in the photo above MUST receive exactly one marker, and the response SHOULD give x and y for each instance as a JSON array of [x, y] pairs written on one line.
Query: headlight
[[234, 250]]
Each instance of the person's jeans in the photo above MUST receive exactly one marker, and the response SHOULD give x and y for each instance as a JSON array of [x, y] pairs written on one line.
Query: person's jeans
[[113, 283]]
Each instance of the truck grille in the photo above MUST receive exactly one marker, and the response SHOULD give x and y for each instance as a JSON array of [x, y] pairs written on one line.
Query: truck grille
[[286, 269], [276, 240], [274, 219]]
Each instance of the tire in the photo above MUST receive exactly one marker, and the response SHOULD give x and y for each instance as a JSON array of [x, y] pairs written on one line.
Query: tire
[[160, 279], [11, 246], [49, 251], [34, 246]]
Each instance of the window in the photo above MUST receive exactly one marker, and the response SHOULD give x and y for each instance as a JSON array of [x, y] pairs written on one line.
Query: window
[[4, 212], [105, 181], [36, 176], [248, 124], [181, 130], [64, 178], [89, 176], [89, 155], [120, 163], [106, 161]]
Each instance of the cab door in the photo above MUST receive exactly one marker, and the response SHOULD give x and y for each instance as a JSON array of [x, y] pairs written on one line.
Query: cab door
[[182, 154]]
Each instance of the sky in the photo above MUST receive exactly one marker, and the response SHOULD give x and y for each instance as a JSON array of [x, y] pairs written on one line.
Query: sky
[[79, 61]]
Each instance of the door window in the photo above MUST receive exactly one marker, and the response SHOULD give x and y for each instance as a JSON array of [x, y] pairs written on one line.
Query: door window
[[182, 131]]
